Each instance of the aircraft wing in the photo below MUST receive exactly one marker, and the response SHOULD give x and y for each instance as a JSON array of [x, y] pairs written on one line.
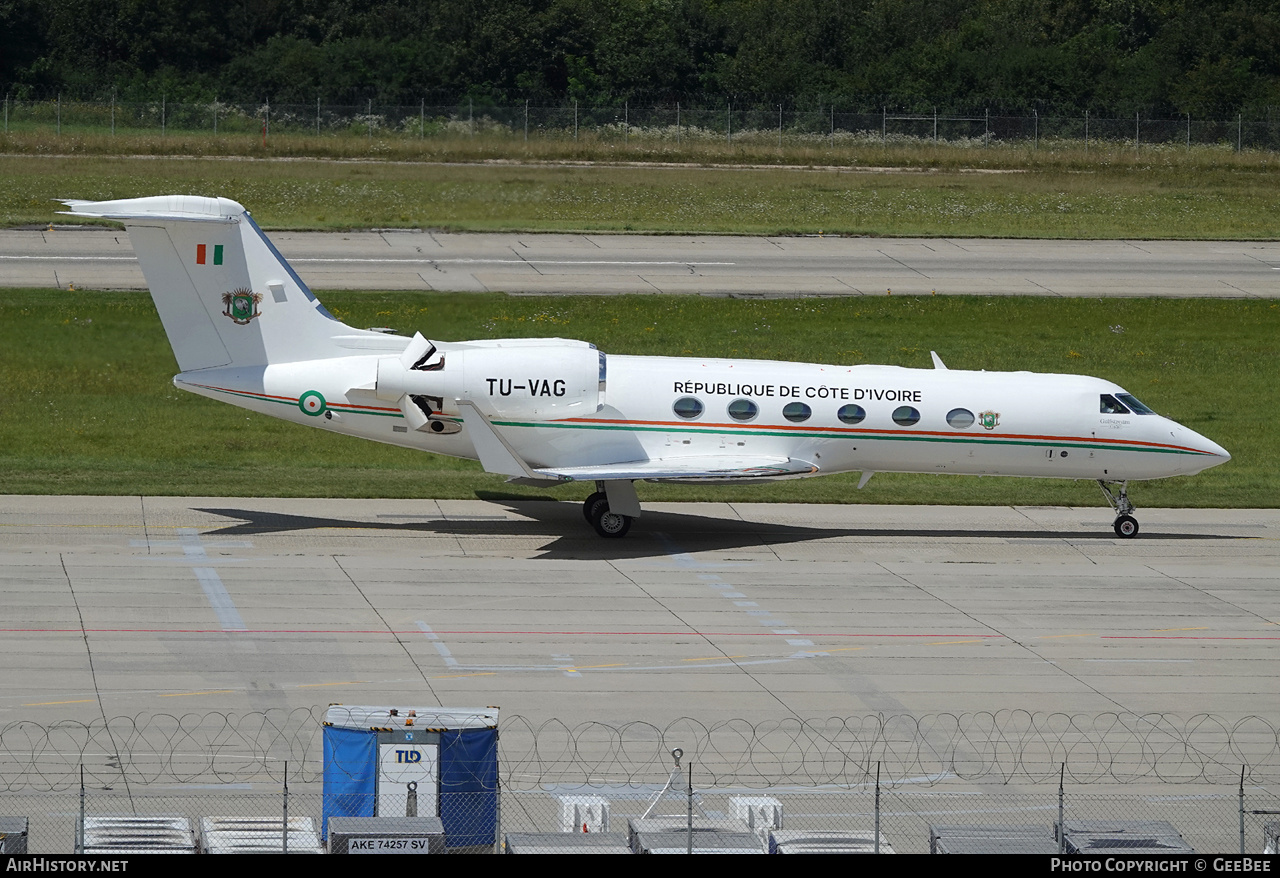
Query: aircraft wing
[[704, 468], [497, 455]]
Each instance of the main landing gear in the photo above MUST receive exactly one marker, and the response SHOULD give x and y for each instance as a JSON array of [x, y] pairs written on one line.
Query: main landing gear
[[1126, 526], [608, 524]]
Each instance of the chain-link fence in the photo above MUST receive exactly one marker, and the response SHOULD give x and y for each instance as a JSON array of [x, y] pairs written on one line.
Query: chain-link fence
[[239, 817], [673, 124], [1002, 781]]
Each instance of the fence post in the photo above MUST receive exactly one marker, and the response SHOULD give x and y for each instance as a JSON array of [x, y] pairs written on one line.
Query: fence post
[[986, 128], [284, 823], [689, 809], [80, 824], [935, 126], [497, 818], [1242, 810], [877, 835], [1062, 826]]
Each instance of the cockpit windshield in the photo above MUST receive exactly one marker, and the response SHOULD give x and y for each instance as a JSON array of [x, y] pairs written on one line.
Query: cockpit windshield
[[1134, 406]]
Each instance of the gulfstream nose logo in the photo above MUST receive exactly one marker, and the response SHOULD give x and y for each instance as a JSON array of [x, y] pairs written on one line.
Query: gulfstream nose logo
[[408, 757]]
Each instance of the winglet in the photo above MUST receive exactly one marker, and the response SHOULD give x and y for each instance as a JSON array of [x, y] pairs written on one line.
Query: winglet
[[937, 360]]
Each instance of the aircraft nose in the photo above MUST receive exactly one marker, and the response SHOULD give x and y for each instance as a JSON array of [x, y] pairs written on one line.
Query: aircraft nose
[[1212, 449], [1217, 451]]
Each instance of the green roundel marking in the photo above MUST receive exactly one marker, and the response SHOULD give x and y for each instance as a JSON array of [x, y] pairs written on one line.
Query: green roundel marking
[[312, 403]]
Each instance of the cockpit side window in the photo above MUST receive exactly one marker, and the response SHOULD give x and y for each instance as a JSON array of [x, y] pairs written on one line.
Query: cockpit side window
[[1109, 405], [1132, 402]]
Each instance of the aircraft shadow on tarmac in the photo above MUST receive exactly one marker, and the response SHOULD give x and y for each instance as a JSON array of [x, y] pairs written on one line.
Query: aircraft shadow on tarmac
[[650, 536]]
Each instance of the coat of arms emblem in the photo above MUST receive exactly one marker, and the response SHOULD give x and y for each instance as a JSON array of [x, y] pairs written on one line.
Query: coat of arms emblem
[[989, 419], [241, 305]]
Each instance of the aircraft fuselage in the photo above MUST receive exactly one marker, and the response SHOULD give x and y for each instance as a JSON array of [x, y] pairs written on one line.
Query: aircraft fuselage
[[842, 418]]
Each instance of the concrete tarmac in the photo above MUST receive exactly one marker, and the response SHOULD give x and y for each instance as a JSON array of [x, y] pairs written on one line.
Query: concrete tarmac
[[116, 605], [592, 264]]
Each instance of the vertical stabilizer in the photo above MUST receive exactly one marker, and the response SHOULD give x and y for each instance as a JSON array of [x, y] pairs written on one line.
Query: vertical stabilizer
[[224, 293]]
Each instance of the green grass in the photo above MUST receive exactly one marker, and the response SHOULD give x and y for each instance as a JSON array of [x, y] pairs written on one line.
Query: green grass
[[1171, 196], [87, 406]]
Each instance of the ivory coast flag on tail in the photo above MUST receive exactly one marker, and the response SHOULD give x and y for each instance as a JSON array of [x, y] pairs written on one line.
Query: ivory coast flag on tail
[[202, 251]]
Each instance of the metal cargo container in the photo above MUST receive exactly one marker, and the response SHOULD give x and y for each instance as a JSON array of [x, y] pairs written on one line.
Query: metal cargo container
[[1018, 838], [1123, 837], [567, 843], [258, 835], [386, 835], [138, 835], [826, 841]]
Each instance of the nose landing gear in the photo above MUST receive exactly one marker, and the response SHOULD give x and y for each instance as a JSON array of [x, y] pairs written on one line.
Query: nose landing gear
[[1125, 526]]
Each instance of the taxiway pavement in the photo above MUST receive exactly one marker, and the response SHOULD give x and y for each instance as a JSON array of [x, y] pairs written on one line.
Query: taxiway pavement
[[99, 258], [118, 605]]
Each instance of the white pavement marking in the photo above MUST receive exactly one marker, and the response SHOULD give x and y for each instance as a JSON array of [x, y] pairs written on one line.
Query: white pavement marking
[[566, 664], [765, 617], [195, 549], [438, 644], [219, 599]]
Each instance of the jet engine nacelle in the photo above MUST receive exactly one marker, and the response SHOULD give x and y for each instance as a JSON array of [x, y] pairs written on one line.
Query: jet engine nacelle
[[538, 379]]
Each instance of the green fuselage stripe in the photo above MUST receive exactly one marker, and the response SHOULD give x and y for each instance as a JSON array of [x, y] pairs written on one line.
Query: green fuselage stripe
[[820, 433], [342, 407]]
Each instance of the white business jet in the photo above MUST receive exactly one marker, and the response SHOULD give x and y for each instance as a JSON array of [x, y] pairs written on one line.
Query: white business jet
[[246, 330]]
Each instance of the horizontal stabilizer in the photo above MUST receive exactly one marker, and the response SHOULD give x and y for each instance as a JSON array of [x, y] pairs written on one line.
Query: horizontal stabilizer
[[173, 208]]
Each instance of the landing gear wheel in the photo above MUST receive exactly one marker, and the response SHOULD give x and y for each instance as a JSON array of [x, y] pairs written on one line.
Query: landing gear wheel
[[606, 523], [1126, 526], [589, 505]]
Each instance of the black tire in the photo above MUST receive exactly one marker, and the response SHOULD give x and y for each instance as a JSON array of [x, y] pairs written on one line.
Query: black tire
[[1126, 527], [589, 506], [609, 524]]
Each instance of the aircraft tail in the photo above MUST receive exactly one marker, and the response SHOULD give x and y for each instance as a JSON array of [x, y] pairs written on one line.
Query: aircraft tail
[[224, 293]]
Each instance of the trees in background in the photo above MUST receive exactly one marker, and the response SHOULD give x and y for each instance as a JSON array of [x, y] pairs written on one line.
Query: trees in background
[[1156, 56]]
